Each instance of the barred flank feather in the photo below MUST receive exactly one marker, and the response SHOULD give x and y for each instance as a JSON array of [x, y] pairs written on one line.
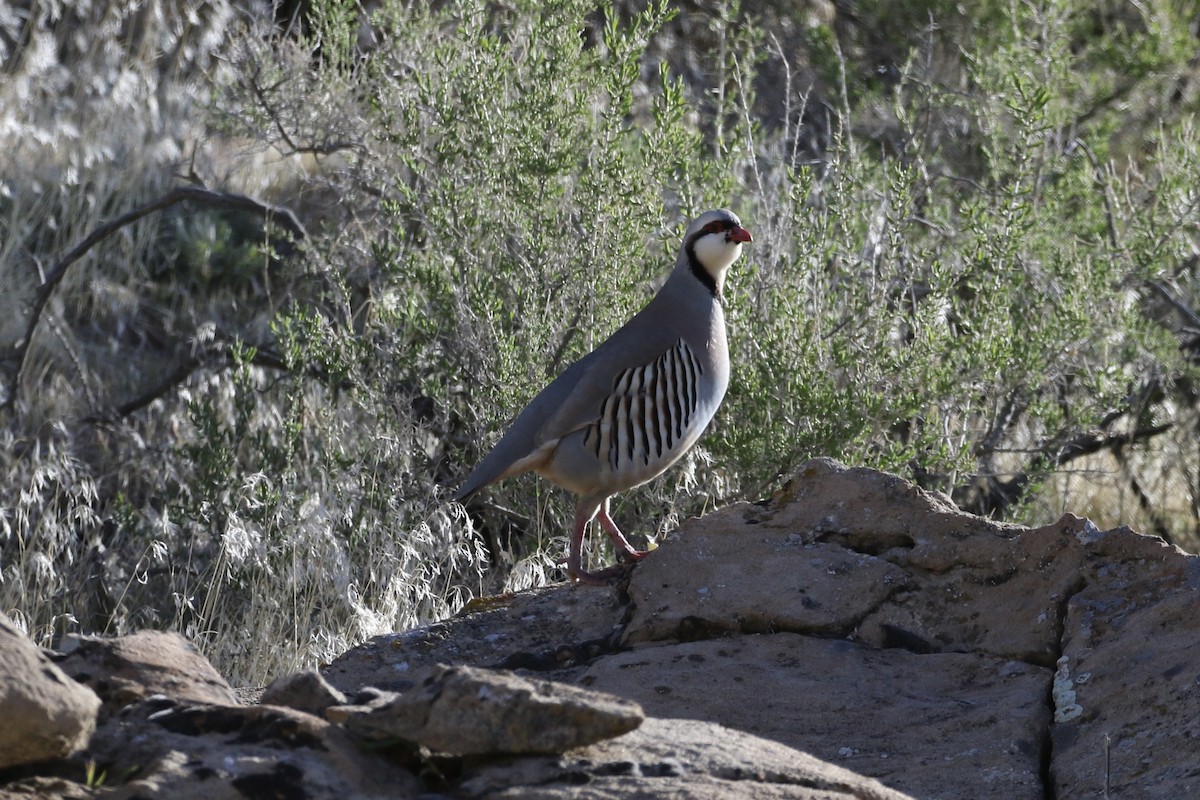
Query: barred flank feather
[[650, 409]]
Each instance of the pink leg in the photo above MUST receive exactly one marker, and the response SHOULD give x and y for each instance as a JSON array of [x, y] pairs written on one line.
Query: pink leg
[[583, 515], [584, 512], [622, 545]]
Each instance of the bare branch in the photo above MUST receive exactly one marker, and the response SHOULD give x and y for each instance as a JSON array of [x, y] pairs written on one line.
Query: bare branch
[[988, 495], [216, 358], [1003, 422], [284, 216], [1158, 525], [1180, 307], [326, 148], [176, 377], [1102, 185]]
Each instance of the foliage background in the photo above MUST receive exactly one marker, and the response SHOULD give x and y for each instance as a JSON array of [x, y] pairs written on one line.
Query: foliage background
[[273, 278]]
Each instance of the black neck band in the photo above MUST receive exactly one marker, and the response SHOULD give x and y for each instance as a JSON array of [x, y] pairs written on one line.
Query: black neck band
[[700, 272]]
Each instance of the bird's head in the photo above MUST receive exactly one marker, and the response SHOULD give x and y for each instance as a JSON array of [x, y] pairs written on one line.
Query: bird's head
[[712, 243]]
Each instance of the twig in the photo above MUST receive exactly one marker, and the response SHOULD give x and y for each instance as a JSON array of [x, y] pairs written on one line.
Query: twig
[[1004, 421], [177, 376], [1179, 306], [216, 358], [179, 194], [1158, 525], [326, 148], [988, 495], [76, 361], [572, 330], [1102, 185]]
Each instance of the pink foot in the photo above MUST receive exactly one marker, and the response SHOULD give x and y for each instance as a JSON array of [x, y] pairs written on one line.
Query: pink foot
[[632, 556]]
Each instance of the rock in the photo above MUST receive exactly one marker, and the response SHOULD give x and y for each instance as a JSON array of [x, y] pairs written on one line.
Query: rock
[[303, 691], [156, 748], [949, 720], [126, 669], [470, 711], [44, 713], [854, 551], [1128, 722], [737, 575], [555, 627], [955, 627], [42, 787], [669, 759]]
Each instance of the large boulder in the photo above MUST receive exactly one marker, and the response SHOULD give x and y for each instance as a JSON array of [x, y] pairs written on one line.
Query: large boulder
[[871, 624], [673, 759], [472, 711], [43, 713], [129, 668]]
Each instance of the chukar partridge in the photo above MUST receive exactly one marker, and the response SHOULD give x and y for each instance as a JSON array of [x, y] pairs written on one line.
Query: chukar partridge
[[625, 412]]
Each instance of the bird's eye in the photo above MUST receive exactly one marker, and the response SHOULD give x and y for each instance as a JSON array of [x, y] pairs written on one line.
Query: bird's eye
[[715, 227]]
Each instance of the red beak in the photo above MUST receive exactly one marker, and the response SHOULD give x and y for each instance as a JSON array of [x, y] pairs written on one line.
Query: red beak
[[740, 234]]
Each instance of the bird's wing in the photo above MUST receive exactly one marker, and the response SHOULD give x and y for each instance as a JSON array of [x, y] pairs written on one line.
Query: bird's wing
[[573, 399]]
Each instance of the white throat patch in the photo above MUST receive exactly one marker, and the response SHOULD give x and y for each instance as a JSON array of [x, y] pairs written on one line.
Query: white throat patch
[[716, 255]]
